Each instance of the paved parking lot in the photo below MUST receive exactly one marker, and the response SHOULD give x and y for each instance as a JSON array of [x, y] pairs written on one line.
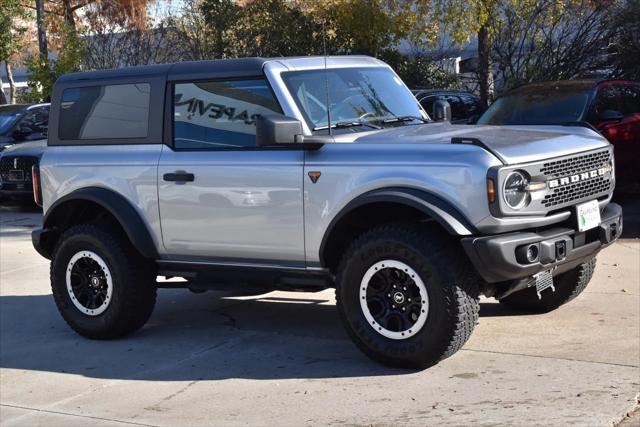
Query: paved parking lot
[[283, 358]]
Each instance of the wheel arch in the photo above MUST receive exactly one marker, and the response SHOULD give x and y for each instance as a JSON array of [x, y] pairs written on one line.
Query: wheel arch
[[397, 203], [87, 204]]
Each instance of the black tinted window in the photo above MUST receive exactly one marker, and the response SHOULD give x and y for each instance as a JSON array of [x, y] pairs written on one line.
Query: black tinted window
[[458, 111], [537, 107], [609, 98], [36, 121], [105, 112], [220, 114], [630, 99], [471, 105], [427, 103]]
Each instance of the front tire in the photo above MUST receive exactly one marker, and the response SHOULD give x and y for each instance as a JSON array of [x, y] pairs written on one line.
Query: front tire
[[102, 287], [568, 286], [405, 297]]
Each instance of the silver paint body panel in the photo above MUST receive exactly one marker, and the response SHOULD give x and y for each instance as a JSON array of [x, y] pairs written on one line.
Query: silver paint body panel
[[242, 205], [128, 170]]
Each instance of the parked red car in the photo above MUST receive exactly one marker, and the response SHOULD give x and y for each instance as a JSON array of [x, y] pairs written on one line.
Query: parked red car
[[611, 106]]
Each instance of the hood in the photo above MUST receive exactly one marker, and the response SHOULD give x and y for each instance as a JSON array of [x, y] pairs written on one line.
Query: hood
[[31, 148], [511, 144]]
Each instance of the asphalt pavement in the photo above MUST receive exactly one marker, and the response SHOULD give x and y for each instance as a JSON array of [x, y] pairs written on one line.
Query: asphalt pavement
[[283, 358]]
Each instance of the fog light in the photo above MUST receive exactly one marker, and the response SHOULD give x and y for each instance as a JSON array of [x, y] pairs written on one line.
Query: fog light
[[528, 254]]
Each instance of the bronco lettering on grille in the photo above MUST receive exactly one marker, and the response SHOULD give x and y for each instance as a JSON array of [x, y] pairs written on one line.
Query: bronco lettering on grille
[[553, 183]]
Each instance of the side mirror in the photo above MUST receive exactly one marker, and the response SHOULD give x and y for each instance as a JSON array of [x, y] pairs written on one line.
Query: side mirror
[[611, 115], [277, 130], [441, 111]]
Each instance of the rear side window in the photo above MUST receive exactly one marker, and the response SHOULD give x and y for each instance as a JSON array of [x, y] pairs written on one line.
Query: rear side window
[[105, 112], [220, 114]]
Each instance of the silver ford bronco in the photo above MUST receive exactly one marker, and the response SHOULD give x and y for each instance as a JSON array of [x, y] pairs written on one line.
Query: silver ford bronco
[[305, 174]]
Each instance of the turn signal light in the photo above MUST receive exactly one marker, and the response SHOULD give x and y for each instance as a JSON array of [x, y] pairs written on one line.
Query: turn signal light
[[37, 190], [491, 190]]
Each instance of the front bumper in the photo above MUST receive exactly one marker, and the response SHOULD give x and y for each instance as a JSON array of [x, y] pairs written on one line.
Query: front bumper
[[22, 189], [499, 258]]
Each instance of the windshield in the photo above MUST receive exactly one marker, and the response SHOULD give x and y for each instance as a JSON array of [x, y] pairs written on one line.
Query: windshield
[[8, 119], [543, 107], [367, 96]]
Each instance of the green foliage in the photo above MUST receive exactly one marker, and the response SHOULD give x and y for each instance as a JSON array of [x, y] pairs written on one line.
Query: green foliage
[[220, 17], [421, 71], [44, 72], [12, 28], [277, 28]]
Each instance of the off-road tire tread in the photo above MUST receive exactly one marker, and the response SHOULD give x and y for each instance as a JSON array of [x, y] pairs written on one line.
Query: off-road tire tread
[[462, 294], [140, 282]]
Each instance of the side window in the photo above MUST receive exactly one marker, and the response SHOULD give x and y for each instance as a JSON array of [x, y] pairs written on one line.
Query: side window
[[631, 99], [40, 122], [427, 104], [457, 107], [471, 105], [105, 112], [220, 114], [608, 98], [28, 122]]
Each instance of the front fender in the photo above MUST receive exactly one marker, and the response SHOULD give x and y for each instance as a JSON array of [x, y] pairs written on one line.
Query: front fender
[[431, 205]]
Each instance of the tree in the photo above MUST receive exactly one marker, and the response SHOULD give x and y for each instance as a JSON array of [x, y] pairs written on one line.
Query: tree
[[552, 40], [421, 71], [112, 39], [463, 20], [276, 28], [625, 43], [43, 72], [220, 17], [12, 30], [369, 26]]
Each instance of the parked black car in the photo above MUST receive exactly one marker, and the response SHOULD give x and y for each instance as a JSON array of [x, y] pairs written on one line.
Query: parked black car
[[16, 162], [465, 107], [20, 122]]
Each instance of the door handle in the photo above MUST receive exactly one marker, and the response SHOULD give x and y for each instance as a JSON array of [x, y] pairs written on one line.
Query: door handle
[[178, 176]]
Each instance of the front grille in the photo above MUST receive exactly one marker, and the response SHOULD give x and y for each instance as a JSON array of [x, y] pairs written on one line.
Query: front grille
[[584, 188], [573, 165], [11, 163]]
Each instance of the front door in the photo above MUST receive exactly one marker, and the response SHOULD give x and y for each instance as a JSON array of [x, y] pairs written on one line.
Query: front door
[[222, 198]]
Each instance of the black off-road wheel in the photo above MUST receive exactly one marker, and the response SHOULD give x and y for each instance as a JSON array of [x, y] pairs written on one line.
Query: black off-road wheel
[[567, 286], [407, 297], [102, 287]]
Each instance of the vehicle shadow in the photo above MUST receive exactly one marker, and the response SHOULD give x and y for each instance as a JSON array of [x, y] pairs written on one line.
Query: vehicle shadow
[[193, 337], [189, 337]]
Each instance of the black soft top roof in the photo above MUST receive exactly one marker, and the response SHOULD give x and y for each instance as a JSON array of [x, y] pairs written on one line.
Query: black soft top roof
[[243, 67]]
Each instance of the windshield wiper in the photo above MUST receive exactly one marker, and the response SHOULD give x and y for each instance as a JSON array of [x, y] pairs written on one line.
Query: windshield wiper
[[405, 119], [342, 125]]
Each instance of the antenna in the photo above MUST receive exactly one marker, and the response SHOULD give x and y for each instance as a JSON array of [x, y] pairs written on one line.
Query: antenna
[[326, 76]]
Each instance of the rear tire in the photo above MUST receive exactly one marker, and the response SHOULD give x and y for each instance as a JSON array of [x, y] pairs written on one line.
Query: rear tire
[[568, 286], [369, 306], [102, 287]]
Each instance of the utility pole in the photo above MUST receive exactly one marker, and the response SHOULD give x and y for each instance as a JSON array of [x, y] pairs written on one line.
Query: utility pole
[[42, 30]]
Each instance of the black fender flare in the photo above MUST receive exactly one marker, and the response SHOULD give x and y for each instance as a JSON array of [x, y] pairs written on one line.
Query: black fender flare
[[435, 207], [118, 206]]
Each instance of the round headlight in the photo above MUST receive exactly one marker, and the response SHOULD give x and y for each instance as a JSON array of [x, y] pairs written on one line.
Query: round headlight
[[514, 191]]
